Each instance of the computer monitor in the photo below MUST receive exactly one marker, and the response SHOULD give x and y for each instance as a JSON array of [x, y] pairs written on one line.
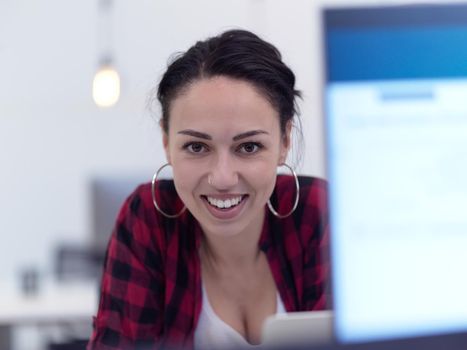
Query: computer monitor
[[395, 107], [108, 194]]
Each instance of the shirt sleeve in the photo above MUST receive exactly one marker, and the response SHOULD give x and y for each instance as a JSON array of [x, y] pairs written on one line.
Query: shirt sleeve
[[316, 264], [130, 313]]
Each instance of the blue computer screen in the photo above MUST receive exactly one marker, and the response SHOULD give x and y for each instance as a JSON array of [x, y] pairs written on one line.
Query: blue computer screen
[[396, 130]]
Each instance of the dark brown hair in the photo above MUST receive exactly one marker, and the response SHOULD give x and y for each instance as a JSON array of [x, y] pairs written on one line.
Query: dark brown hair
[[237, 54]]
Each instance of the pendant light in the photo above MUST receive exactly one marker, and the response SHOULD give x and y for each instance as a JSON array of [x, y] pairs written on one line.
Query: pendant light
[[106, 82]]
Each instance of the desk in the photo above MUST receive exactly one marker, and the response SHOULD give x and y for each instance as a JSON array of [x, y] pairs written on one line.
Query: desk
[[54, 304]]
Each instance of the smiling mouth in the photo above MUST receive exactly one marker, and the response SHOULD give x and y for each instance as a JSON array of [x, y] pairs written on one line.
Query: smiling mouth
[[224, 204]]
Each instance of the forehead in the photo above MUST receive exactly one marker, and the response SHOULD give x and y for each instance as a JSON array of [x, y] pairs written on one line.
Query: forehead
[[222, 104]]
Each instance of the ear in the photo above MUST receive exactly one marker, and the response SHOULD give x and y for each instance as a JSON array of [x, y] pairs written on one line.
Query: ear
[[286, 142]]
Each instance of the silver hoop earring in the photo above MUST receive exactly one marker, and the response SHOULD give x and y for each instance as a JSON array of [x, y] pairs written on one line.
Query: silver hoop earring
[[153, 189], [297, 196]]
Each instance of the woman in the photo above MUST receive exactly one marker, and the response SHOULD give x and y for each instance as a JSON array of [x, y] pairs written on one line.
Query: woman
[[202, 266]]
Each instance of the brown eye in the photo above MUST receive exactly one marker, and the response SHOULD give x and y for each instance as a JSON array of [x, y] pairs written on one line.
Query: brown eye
[[195, 147], [250, 147]]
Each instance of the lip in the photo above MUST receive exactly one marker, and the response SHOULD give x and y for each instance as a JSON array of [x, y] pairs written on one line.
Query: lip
[[226, 213]]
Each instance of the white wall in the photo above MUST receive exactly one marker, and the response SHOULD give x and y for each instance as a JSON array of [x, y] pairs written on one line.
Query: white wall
[[53, 139]]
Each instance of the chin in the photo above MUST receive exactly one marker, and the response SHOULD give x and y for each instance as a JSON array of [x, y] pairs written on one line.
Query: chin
[[223, 229]]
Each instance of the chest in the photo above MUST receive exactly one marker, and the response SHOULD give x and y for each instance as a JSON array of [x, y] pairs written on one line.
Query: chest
[[242, 300]]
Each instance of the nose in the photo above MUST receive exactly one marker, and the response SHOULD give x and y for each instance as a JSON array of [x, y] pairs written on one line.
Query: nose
[[223, 174]]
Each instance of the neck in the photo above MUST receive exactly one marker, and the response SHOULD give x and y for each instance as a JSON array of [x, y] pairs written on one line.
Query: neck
[[240, 250]]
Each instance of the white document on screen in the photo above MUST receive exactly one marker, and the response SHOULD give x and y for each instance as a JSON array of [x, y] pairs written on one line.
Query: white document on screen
[[397, 165]]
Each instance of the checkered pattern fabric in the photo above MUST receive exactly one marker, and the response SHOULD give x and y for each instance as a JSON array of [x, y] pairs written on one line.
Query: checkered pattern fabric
[[151, 284]]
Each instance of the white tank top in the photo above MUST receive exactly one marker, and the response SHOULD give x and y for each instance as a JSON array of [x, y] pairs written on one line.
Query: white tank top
[[213, 333]]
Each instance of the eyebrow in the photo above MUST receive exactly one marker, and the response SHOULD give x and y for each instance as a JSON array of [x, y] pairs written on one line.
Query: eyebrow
[[194, 133], [204, 136], [248, 134]]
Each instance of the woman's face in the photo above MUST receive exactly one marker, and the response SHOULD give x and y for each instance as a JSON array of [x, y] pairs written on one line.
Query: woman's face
[[224, 144]]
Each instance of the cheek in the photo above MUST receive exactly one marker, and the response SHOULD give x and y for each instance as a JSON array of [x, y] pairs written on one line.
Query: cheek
[[263, 177], [186, 176]]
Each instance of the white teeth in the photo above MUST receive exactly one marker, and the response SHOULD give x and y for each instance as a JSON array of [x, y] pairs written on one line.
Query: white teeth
[[224, 204]]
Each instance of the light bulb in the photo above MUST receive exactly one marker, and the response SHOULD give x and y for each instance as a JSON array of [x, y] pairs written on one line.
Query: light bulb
[[106, 86]]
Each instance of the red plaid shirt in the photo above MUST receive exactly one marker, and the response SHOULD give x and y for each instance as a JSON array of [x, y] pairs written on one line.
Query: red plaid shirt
[[151, 285]]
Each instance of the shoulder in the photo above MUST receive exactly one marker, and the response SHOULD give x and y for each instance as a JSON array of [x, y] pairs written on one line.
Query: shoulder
[[149, 225], [312, 191], [312, 211], [138, 223], [138, 210], [313, 203], [310, 218], [140, 203]]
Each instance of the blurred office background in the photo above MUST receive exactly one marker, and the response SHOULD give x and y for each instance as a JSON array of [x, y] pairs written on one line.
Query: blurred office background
[[67, 164]]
